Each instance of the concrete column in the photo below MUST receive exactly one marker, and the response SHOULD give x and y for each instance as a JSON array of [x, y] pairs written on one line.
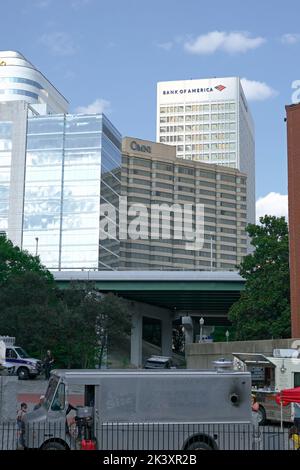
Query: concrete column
[[188, 329], [166, 335], [136, 339]]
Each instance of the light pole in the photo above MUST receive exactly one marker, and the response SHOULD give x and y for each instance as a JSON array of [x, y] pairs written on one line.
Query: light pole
[[227, 335], [36, 245], [211, 252], [201, 322]]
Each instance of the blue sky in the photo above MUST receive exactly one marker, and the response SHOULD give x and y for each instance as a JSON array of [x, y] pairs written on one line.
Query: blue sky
[[108, 55]]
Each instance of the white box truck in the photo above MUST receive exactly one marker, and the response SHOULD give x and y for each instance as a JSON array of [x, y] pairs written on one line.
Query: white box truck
[[145, 410]]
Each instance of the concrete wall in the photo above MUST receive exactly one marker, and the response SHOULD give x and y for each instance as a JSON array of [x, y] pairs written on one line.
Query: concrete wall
[[201, 356]]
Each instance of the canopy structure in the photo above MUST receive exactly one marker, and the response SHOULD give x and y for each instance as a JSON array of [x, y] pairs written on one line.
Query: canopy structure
[[287, 396]]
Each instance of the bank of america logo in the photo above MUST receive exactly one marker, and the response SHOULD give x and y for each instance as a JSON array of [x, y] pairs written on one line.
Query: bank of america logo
[[220, 87]]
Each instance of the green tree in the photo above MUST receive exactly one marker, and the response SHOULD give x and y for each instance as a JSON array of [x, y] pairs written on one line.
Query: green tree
[[30, 311], [14, 261], [263, 311], [88, 321]]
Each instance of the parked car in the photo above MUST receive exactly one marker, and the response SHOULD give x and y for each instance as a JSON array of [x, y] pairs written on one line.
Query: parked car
[[159, 362]]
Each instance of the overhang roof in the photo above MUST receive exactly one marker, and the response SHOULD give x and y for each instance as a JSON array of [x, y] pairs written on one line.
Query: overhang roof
[[205, 293]]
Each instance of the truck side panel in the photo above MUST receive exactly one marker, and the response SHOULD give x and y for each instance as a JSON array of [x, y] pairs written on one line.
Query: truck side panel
[[154, 398]]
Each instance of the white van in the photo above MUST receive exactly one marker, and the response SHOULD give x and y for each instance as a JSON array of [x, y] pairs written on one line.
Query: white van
[[25, 367]]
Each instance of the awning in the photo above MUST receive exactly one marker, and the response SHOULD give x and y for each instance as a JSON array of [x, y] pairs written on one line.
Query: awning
[[289, 395], [254, 359]]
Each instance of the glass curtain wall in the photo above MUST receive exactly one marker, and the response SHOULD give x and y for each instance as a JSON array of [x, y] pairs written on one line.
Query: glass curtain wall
[[81, 193], [5, 170], [43, 188], [66, 158], [109, 246]]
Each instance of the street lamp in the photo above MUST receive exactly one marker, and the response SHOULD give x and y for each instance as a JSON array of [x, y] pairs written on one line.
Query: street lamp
[[201, 321], [227, 335], [36, 245], [211, 252]]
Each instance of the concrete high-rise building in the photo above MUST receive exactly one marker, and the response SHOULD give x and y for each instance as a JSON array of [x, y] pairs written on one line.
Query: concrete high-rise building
[[152, 175], [209, 120], [293, 135], [20, 80]]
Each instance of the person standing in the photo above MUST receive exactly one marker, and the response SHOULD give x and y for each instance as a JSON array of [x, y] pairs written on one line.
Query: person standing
[[256, 443], [48, 361], [21, 425]]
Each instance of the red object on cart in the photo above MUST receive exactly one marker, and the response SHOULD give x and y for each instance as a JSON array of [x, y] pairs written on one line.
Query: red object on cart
[[287, 396], [88, 444]]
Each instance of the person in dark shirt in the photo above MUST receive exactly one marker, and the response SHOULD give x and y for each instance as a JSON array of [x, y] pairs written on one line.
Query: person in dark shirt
[[48, 361]]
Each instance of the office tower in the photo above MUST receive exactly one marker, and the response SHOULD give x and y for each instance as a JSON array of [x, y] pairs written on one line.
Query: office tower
[[13, 124], [209, 120], [293, 134], [72, 167], [20, 80], [151, 174]]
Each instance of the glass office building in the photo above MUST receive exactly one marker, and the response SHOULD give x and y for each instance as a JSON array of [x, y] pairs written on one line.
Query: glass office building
[[20, 80], [72, 167]]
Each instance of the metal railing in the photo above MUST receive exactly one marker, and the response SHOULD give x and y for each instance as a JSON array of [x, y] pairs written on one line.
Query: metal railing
[[147, 436]]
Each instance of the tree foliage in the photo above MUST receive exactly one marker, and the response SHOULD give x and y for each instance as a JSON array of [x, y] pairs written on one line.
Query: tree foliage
[[30, 311], [90, 320], [74, 324], [263, 311], [14, 261]]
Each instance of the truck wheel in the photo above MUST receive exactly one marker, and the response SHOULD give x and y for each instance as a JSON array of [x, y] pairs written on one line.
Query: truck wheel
[[199, 445], [53, 446], [262, 417], [23, 373]]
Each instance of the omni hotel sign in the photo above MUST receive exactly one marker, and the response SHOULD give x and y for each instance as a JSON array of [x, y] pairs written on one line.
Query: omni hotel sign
[[140, 148]]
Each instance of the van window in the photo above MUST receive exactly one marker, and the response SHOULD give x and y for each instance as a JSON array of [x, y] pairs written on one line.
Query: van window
[[50, 391], [22, 353], [10, 354], [59, 399]]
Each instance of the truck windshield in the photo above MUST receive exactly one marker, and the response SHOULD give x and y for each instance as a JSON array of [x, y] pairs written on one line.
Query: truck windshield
[[21, 352], [50, 391]]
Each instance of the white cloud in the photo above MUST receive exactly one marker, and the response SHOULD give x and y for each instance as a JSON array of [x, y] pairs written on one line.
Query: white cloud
[[290, 38], [98, 106], [272, 204], [232, 42], [257, 91], [166, 46], [76, 4], [59, 43], [43, 3]]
